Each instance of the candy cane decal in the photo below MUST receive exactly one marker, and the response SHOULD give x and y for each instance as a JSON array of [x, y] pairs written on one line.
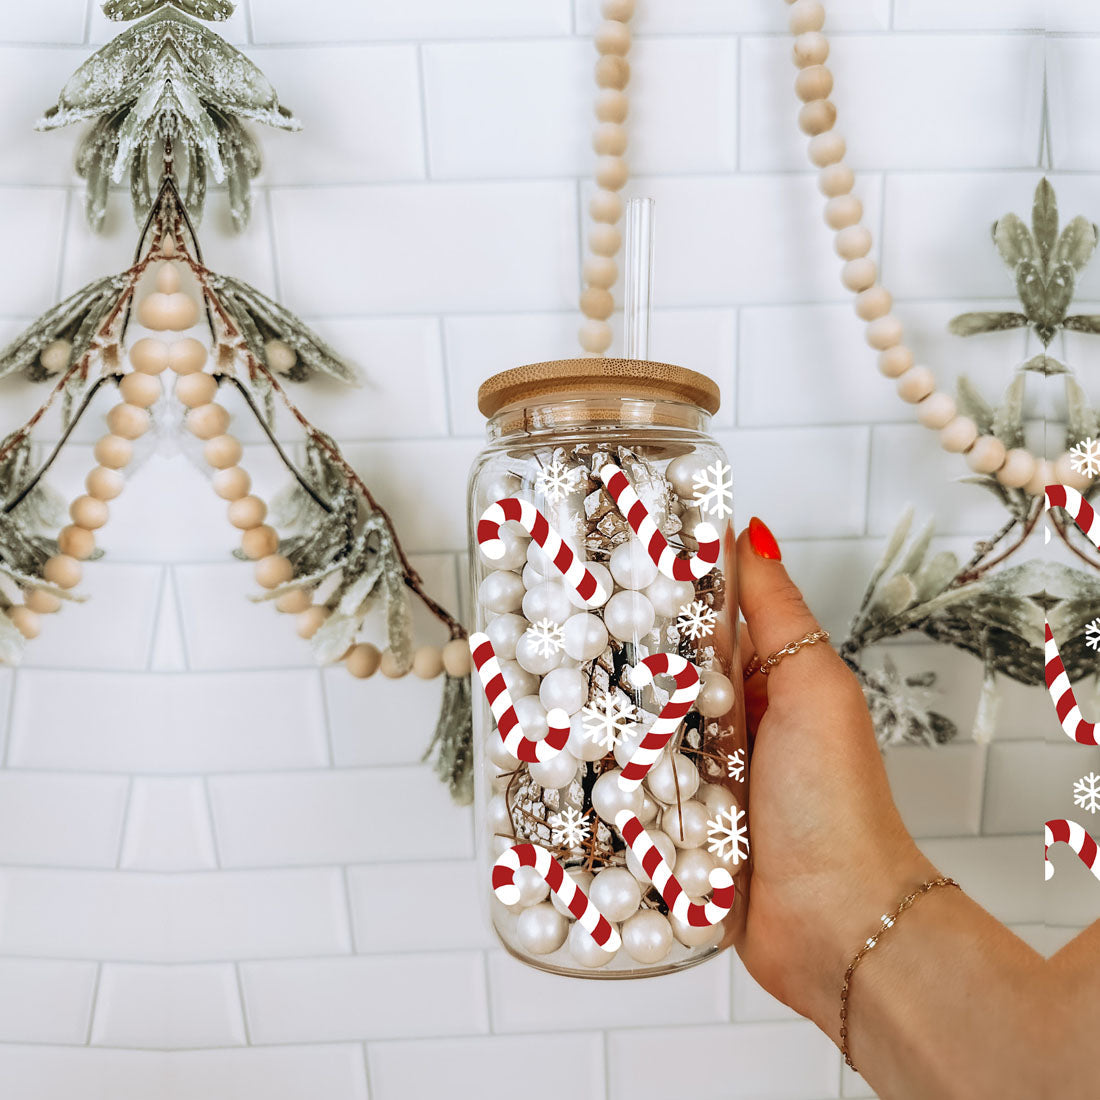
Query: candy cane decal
[[1061, 694], [1081, 512], [654, 865], [664, 557], [561, 883], [1069, 832], [523, 512], [511, 732], [668, 721]]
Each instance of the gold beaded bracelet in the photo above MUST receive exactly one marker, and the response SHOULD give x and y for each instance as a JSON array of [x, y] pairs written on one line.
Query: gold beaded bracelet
[[887, 922]]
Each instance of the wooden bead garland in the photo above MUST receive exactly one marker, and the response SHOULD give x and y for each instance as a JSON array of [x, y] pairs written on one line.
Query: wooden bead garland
[[1016, 468]]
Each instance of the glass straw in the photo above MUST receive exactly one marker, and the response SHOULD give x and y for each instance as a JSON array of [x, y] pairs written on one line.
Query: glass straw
[[638, 277]]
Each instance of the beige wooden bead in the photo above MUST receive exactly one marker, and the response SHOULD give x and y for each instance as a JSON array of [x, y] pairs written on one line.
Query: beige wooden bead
[[389, 666], [813, 82], [207, 421], [168, 312], [611, 173], [104, 483], [427, 662], [89, 512], [293, 603], [959, 435], [843, 211], [311, 620], [1018, 468], [196, 389], [232, 483], [597, 303], [937, 410], [806, 15], [168, 246], [55, 356], [612, 72], [168, 278], [609, 139], [817, 117], [611, 105], [113, 451], [859, 274], [363, 660], [916, 384], [612, 37], [25, 621], [280, 356], [247, 512], [140, 389], [873, 302], [595, 336], [273, 570], [621, 10], [456, 658], [810, 48], [884, 332], [42, 602], [604, 240], [1041, 477], [853, 242], [601, 271], [63, 571], [827, 148], [260, 542], [987, 455], [187, 356], [149, 356], [1065, 474], [128, 421], [895, 361], [76, 542], [223, 451], [835, 179], [605, 206]]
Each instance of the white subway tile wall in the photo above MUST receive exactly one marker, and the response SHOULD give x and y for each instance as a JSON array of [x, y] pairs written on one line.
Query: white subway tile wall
[[217, 863]]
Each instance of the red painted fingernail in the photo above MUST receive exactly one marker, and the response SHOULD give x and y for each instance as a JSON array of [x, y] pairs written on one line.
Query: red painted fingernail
[[763, 541]]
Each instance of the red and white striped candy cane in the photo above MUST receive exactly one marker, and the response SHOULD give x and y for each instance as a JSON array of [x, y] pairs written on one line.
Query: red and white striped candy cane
[[560, 882], [1062, 831], [1082, 513], [511, 732], [664, 557], [679, 904], [1062, 695], [523, 512], [668, 721]]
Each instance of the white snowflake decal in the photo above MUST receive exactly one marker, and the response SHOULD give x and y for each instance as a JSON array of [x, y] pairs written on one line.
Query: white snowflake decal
[[1086, 792], [1084, 457], [568, 828], [728, 836], [607, 718], [556, 481], [696, 620], [1092, 635], [735, 765], [714, 490], [546, 636]]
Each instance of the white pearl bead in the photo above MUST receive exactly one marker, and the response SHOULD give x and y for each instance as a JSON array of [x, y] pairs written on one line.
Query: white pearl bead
[[532, 660], [564, 688], [1018, 468], [628, 616], [1065, 474], [959, 435], [532, 716], [686, 823], [693, 935], [716, 797], [668, 596], [693, 868], [494, 749], [585, 637], [498, 486], [630, 740], [616, 893], [547, 600], [681, 472], [544, 566], [647, 936], [497, 817], [673, 777], [500, 592], [664, 845], [557, 772], [1042, 477], [505, 632], [916, 384], [602, 576], [515, 550], [541, 929], [937, 410], [608, 798], [532, 886], [631, 565], [518, 682], [580, 743], [583, 879], [585, 950], [716, 695], [649, 811], [987, 455]]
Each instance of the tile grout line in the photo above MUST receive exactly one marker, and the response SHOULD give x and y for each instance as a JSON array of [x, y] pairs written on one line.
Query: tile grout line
[[126, 811], [422, 90], [246, 1027], [93, 1007]]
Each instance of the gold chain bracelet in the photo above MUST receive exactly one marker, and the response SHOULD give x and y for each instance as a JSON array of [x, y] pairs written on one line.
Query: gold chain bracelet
[[887, 922], [766, 664]]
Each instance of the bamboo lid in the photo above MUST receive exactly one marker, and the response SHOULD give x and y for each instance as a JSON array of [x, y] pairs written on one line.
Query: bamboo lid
[[636, 378]]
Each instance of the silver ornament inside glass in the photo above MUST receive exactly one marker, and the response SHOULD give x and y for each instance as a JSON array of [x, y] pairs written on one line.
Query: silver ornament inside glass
[[609, 731]]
